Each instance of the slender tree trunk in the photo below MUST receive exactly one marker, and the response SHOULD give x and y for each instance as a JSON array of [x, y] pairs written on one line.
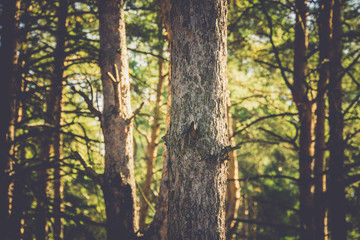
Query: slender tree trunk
[[119, 181], [57, 89], [197, 138], [320, 145], [337, 221], [52, 141], [304, 107], [42, 201], [233, 185], [9, 47], [151, 148], [158, 227]]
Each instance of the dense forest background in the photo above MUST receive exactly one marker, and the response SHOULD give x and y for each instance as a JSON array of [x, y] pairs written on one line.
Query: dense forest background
[[293, 110]]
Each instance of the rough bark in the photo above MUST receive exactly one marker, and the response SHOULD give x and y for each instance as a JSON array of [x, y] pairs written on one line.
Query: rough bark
[[118, 182], [151, 148], [325, 26], [304, 107], [56, 92], [9, 47], [336, 186], [233, 186], [197, 138]]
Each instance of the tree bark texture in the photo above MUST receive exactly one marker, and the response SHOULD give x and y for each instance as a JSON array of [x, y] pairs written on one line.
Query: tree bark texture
[[336, 186], [9, 47], [197, 138], [119, 182], [304, 107], [325, 29]]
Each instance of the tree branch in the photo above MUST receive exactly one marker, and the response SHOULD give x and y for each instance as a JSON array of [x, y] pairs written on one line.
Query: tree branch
[[261, 119], [147, 53], [136, 112], [279, 226], [275, 50], [90, 172], [89, 102], [274, 66], [281, 139], [265, 176]]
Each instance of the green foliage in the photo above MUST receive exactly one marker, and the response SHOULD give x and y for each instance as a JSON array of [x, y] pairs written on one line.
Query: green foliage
[[260, 55]]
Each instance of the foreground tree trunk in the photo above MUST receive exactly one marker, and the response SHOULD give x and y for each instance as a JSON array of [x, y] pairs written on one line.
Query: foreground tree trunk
[[304, 107], [118, 182], [9, 47], [325, 26], [336, 186], [197, 139]]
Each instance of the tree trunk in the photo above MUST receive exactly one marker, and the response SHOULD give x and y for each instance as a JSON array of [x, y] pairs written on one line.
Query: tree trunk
[[337, 221], [53, 140], [197, 138], [159, 225], [151, 148], [233, 184], [304, 107], [9, 47], [57, 109], [325, 25], [119, 182]]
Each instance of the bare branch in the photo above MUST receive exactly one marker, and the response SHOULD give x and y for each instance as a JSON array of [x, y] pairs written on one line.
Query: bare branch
[[275, 49], [135, 112], [89, 102], [279, 137], [148, 53], [274, 66], [257, 177], [90, 172], [280, 226], [261, 119], [352, 179], [142, 134], [145, 198]]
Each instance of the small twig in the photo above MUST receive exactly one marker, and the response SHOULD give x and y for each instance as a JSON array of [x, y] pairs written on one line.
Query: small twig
[[117, 93], [112, 77]]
